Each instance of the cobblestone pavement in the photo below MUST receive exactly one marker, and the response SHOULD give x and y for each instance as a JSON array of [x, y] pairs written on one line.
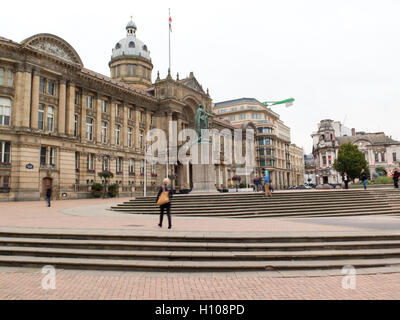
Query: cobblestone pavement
[[93, 285]]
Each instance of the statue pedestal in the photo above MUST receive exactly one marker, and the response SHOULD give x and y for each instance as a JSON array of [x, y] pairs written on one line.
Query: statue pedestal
[[203, 175]]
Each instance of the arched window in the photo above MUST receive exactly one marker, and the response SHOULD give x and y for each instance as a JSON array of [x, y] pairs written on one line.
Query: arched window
[[145, 48], [5, 111], [131, 44], [118, 45]]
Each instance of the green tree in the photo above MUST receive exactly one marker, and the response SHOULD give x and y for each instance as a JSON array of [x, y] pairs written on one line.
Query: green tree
[[350, 160]]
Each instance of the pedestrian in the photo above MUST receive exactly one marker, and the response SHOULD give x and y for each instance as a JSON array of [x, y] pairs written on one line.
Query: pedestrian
[[267, 182], [364, 178], [257, 181], [164, 197], [346, 180], [48, 196], [396, 176]]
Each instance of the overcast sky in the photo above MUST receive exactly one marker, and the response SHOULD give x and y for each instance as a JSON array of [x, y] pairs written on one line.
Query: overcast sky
[[338, 59]]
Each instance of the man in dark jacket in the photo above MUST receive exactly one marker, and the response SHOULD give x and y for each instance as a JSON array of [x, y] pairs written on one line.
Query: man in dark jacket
[[48, 196], [165, 207], [396, 176], [345, 180]]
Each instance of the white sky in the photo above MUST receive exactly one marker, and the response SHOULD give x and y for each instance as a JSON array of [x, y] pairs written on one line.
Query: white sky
[[338, 59]]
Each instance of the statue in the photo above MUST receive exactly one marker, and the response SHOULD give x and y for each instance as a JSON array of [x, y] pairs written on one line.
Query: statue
[[201, 121]]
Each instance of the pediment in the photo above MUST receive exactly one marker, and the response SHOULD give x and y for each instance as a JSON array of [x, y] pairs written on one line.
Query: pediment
[[54, 46], [193, 84]]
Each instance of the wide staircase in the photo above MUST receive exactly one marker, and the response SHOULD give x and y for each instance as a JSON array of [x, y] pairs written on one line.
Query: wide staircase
[[198, 252], [282, 204]]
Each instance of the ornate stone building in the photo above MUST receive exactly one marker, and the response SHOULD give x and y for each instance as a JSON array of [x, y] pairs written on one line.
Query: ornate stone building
[[379, 150], [274, 151], [61, 124]]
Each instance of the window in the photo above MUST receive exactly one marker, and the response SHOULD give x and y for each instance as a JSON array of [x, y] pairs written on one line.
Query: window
[[134, 70], [2, 76], [265, 141], [51, 87], [232, 118], [106, 164], [104, 132], [130, 113], [43, 152], [394, 157], [264, 130], [50, 118], [119, 164], [6, 77], [383, 156], [89, 129], [90, 161], [118, 70], [117, 134], [5, 152], [130, 132], [77, 157], [42, 85], [77, 97], [131, 44], [5, 111], [376, 157], [242, 116], [145, 48], [324, 160], [76, 124], [89, 102], [141, 117], [118, 45], [103, 106], [142, 167], [52, 157], [41, 117], [141, 139], [131, 165], [6, 181]]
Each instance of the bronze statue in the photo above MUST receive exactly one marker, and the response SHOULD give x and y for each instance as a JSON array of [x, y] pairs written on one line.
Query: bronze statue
[[201, 121]]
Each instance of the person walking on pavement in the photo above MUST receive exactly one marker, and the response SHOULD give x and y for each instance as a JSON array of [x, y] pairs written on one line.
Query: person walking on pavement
[[267, 182], [48, 196], [346, 180], [164, 197], [396, 176], [364, 178]]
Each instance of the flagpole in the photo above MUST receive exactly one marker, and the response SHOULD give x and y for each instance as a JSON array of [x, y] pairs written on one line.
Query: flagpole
[[169, 37]]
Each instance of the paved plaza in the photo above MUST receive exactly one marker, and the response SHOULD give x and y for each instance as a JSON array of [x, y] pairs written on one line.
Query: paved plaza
[[92, 215]]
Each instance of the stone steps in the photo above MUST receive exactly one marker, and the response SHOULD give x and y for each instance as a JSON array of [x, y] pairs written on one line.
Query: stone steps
[[197, 252]]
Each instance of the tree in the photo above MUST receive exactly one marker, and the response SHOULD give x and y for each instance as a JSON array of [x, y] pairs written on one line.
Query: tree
[[350, 160]]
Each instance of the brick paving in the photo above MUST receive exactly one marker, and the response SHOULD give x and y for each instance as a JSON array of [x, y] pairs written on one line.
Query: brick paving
[[92, 214], [95, 285]]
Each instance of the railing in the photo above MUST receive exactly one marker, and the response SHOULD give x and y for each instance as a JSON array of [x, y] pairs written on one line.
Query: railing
[[81, 188]]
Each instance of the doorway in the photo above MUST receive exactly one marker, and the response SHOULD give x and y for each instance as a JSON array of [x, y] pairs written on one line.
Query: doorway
[[46, 183]]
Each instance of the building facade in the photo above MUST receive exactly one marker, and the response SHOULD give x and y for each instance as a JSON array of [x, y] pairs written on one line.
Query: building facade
[[61, 124], [379, 150], [274, 151]]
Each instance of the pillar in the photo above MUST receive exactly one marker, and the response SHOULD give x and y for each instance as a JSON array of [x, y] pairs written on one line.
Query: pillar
[[83, 116], [35, 100], [69, 124], [98, 120], [61, 106]]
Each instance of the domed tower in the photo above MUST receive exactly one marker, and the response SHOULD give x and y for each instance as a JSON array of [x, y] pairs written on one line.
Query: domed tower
[[130, 60]]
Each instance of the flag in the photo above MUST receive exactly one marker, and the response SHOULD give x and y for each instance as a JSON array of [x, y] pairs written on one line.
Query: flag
[[170, 23]]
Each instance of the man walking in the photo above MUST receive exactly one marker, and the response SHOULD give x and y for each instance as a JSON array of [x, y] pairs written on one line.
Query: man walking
[[364, 178], [396, 176], [267, 182], [48, 196]]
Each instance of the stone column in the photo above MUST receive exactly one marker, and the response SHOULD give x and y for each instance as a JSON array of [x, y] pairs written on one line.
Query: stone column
[[112, 122], [98, 120], [62, 92], [69, 124], [20, 116], [83, 116], [125, 125], [35, 100]]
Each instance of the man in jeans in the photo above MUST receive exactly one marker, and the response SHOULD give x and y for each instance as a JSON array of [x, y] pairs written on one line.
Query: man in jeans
[[48, 196], [267, 182]]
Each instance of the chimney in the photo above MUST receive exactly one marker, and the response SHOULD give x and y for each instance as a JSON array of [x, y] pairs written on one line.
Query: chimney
[[353, 132]]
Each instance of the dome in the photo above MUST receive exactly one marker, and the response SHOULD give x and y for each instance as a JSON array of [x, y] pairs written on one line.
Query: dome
[[130, 46]]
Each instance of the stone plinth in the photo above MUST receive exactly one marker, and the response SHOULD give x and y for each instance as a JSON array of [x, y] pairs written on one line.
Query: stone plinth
[[204, 174]]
